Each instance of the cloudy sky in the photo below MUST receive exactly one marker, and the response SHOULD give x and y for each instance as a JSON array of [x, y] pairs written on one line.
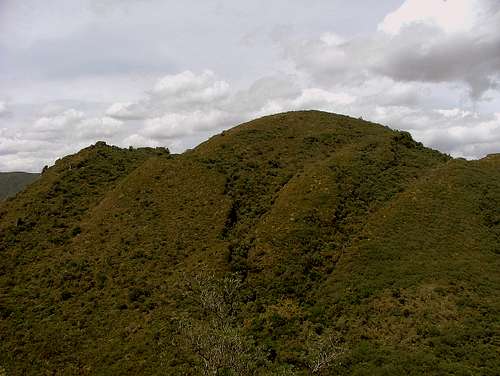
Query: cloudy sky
[[173, 73]]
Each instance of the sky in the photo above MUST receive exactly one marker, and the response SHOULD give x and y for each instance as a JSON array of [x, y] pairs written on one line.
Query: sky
[[173, 73]]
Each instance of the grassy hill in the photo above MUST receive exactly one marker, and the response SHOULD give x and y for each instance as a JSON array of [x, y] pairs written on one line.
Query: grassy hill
[[13, 182], [299, 243]]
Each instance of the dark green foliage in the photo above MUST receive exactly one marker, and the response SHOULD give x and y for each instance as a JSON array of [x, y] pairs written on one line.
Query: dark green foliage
[[345, 235]]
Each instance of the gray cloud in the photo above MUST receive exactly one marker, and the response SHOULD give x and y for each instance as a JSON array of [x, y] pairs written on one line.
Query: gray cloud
[[418, 52], [472, 59]]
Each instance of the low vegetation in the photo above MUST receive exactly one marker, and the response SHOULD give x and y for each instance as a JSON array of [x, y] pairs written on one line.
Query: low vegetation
[[296, 244]]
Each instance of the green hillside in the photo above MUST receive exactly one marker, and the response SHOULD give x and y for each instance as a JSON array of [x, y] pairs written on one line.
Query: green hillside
[[299, 243], [14, 182]]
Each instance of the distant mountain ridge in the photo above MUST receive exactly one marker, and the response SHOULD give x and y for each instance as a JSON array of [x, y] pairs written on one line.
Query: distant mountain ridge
[[14, 182], [353, 250]]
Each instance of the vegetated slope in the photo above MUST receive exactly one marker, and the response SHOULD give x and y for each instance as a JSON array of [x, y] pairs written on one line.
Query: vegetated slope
[[420, 287], [13, 182], [35, 231], [334, 225]]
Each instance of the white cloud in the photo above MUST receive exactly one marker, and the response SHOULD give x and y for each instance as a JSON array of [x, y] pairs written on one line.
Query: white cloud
[[176, 125], [451, 16], [95, 128], [189, 87], [318, 98], [9, 146], [185, 91], [454, 113], [127, 110], [58, 123], [461, 133], [178, 105], [73, 124]]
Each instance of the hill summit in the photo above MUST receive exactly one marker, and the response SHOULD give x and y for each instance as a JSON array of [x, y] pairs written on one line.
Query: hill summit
[[298, 243]]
